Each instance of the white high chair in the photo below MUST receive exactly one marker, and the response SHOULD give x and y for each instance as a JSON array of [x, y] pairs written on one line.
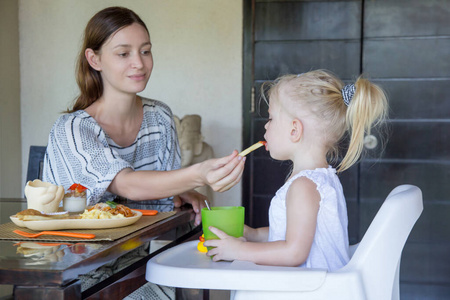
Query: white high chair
[[372, 272]]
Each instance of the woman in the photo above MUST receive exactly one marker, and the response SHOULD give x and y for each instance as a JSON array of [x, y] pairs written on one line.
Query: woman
[[121, 146], [117, 144]]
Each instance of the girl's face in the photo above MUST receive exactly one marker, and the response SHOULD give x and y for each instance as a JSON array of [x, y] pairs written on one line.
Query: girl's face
[[125, 60], [278, 129]]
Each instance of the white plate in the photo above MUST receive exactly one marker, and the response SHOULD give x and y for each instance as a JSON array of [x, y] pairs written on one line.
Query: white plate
[[16, 221], [77, 223]]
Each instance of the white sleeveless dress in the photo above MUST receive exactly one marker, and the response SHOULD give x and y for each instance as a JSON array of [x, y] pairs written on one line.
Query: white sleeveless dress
[[329, 249]]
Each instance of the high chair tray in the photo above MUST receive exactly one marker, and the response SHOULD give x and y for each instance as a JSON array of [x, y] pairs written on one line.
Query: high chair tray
[[184, 266]]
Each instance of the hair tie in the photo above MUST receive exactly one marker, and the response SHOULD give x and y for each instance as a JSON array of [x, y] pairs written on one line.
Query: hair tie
[[347, 93]]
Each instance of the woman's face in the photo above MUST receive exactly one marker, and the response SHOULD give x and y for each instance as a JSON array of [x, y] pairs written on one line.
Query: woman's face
[[125, 60]]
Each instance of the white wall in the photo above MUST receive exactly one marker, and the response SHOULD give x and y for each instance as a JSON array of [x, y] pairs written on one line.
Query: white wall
[[197, 49], [10, 159]]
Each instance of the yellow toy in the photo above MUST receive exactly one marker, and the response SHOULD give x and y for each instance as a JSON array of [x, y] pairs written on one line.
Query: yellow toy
[[200, 246]]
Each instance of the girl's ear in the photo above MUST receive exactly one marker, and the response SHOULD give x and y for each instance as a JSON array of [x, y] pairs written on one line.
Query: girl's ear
[[93, 59], [296, 130]]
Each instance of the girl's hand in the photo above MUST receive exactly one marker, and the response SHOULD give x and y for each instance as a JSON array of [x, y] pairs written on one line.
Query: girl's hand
[[193, 198], [221, 174], [227, 248]]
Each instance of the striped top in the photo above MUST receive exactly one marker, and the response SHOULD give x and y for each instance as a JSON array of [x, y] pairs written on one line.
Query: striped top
[[80, 151]]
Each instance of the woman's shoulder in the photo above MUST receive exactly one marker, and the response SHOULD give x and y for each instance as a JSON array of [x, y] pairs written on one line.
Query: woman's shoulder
[[80, 116], [156, 106], [75, 122]]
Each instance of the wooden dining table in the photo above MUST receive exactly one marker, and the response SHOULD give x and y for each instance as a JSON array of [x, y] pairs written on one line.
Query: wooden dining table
[[57, 278]]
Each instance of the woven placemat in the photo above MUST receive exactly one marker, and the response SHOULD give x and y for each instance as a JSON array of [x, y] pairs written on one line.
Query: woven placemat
[[110, 234]]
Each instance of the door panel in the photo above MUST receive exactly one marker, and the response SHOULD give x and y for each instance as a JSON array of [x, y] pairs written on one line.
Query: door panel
[[261, 207], [275, 59], [307, 20], [378, 178], [418, 98], [412, 140], [429, 268], [406, 18], [407, 58], [267, 175], [420, 292]]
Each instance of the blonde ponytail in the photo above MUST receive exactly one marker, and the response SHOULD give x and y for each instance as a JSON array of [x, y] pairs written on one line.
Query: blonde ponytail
[[367, 108]]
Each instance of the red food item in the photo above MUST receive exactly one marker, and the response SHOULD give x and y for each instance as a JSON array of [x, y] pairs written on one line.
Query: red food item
[[77, 187]]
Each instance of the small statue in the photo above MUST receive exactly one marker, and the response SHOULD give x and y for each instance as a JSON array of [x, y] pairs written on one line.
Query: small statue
[[43, 196], [193, 148]]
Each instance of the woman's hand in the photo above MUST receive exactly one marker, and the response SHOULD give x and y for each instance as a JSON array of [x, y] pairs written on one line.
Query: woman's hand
[[227, 248], [193, 198], [221, 174]]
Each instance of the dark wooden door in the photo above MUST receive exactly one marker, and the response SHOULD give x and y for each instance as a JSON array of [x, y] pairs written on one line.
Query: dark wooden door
[[405, 47]]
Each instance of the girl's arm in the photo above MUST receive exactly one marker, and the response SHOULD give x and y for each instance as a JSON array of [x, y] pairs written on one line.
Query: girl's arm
[[221, 174], [302, 206]]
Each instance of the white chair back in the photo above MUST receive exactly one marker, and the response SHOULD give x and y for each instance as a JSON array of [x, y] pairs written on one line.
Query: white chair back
[[377, 257]]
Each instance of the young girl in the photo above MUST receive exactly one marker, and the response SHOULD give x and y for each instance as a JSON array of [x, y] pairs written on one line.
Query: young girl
[[308, 116]]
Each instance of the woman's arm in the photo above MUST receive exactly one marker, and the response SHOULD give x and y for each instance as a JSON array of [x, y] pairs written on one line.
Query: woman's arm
[[302, 206], [221, 174]]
